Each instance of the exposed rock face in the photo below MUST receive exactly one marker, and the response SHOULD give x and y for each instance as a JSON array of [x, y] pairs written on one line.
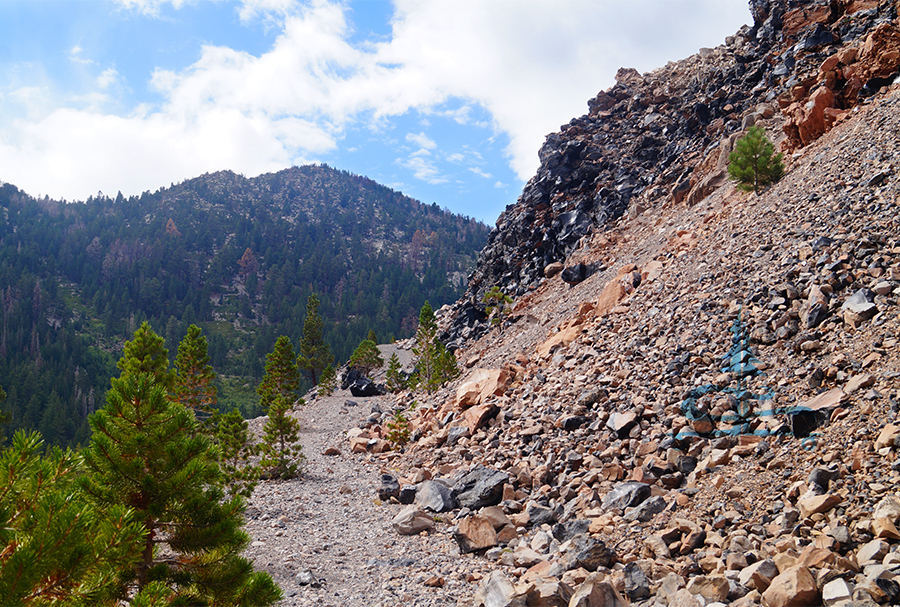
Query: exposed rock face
[[664, 136]]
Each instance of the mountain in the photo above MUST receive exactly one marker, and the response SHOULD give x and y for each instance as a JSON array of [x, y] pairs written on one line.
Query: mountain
[[237, 256], [694, 398]]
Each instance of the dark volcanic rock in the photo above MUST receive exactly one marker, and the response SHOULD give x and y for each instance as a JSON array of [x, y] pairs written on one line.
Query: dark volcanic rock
[[480, 487]]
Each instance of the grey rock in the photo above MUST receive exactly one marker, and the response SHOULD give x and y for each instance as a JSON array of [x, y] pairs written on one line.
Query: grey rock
[[646, 510], [389, 488], [480, 487], [569, 529], [588, 552], [626, 495], [435, 496], [407, 494], [637, 586], [540, 514]]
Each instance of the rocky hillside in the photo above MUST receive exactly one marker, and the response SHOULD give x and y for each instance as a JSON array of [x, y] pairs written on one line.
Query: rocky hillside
[[704, 412], [656, 138]]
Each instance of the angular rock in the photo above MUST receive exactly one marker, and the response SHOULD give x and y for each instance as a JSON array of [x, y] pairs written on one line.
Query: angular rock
[[759, 575], [588, 552], [497, 591], [637, 586], [836, 592], [390, 487], [539, 515], [435, 496], [474, 533], [796, 587], [412, 520], [818, 503], [595, 591], [480, 384], [626, 495], [480, 487], [646, 510]]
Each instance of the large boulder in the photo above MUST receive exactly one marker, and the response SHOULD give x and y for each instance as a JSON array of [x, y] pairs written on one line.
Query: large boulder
[[480, 487], [412, 520], [480, 384], [435, 496]]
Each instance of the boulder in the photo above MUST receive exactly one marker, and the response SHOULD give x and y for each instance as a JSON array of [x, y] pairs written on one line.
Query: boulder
[[626, 495], [795, 587], [479, 415], [412, 520], [480, 487], [474, 533], [365, 387], [480, 384], [435, 496]]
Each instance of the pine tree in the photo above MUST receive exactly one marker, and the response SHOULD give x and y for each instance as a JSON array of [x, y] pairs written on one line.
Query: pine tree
[[394, 380], [371, 337], [53, 545], [282, 376], [366, 357], [435, 365], [237, 447], [281, 450], [315, 354], [146, 453], [496, 304], [754, 164], [146, 353], [194, 376], [327, 382]]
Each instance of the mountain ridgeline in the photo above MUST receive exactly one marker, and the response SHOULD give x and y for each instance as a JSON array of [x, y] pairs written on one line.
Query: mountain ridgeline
[[238, 257]]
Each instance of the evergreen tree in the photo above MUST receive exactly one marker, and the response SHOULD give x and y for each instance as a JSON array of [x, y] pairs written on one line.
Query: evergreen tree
[[496, 304], [315, 354], [435, 365], [394, 379], [237, 447], [194, 376], [327, 382], [282, 376], [754, 164], [371, 336], [146, 453], [53, 546], [366, 357], [281, 451], [146, 353]]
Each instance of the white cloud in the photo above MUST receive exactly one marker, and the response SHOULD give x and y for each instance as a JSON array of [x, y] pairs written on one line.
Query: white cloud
[[107, 78], [75, 56], [422, 140], [530, 64], [480, 172]]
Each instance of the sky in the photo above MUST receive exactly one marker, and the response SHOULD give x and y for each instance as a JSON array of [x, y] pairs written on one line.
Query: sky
[[447, 101]]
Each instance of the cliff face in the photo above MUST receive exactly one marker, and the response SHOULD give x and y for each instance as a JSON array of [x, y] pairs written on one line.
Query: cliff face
[[657, 138]]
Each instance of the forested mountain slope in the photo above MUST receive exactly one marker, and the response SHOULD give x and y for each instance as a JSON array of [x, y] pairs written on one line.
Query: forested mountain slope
[[237, 256]]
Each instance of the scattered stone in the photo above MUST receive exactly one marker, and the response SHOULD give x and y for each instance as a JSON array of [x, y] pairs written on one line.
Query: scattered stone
[[412, 520]]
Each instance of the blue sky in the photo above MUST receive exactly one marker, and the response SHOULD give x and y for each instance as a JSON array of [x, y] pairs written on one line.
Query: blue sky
[[447, 101]]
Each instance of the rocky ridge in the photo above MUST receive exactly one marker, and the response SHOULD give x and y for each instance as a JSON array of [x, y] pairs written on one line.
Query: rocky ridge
[[660, 137]]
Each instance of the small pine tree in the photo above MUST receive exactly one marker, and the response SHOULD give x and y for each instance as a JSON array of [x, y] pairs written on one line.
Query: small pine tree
[[435, 364], [366, 357], [281, 451], [237, 447], [194, 376], [371, 337], [398, 429], [327, 382], [394, 380], [315, 354], [53, 546], [754, 164], [497, 304], [282, 376], [146, 353]]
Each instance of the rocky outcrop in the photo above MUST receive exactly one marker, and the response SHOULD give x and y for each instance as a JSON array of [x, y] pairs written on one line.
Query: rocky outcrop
[[656, 138]]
